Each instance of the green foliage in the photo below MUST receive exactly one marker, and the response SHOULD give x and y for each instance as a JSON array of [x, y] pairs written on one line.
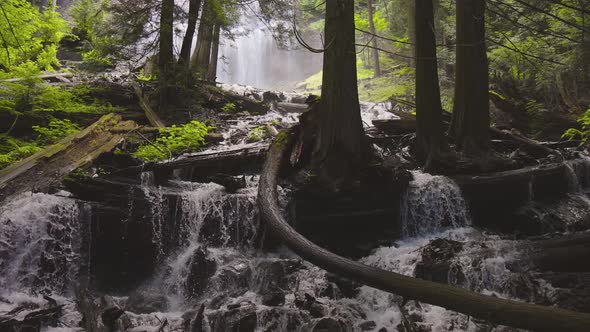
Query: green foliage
[[175, 140], [584, 133], [56, 130], [29, 35], [229, 108], [257, 134], [12, 150]]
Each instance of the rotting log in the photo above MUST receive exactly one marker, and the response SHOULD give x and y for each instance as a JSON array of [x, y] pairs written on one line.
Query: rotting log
[[45, 169], [493, 309], [61, 77], [152, 116]]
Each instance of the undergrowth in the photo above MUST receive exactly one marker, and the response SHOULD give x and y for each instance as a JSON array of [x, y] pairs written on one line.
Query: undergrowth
[[173, 141]]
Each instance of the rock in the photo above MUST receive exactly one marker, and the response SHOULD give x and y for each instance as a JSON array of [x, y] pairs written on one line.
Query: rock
[[241, 319], [368, 325], [328, 324], [201, 268], [270, 97], [274, 298], [437, 261], [144, 302], [347, 287]]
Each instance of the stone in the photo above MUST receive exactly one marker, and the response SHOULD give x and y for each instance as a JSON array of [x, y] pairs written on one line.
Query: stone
[[201, 268], [437, 261], [368, 325], [273, 298], [145, 302], [328, 324]]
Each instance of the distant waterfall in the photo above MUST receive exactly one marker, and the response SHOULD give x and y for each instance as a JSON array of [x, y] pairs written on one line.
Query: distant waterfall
[[254, 57]]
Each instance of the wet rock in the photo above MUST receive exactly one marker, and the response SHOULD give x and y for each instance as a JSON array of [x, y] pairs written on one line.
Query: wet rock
[[270, 97], [437, 261], [367, 325], [328, 324], [242, 319], [274, 298], [346, 287], [144, 302], [201, 268]]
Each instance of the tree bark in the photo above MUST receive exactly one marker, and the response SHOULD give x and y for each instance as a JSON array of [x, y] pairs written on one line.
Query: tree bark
[[202, 54], [187, 41], [212, 70], [430, 139], [341, 146], [374, 51], [471, 114], [166, 54], [493, 309]]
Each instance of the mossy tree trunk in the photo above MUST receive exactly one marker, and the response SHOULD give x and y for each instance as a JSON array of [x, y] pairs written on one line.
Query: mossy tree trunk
[[341, 147], [471, 114], [187, 41], [431, 145]]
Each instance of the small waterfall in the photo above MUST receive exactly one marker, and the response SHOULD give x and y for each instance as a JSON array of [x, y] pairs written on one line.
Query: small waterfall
[[432, 202], [578, 173], [40, 240]]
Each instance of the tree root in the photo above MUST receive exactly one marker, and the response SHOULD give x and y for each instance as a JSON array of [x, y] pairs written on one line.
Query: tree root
[[493, 309]]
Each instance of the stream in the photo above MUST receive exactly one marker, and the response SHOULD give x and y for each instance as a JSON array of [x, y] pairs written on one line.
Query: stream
[[169, 248]]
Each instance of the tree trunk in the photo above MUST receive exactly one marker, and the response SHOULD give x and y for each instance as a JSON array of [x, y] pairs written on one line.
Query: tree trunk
[[471, 114], [375, 51], [212, 71], [187, 41], [489, 308], [202, 54], [430, 140], [341, 146], [166, 54]]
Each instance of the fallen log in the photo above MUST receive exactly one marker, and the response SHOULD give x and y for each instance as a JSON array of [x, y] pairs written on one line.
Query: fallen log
[[493, 309], [533, 148], [45, 169], [152, 116], [230, 162], [61, 77]]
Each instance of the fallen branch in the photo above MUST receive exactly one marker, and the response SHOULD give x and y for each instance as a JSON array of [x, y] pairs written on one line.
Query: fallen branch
[[500, 311], [152, 117]]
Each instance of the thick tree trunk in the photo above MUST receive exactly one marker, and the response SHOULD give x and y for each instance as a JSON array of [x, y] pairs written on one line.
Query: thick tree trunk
[[187, 41], [212, 71], [430, 139], [471, 114], [166, 54], [341, 146], [489, 308], [374, 51], [202, 54]]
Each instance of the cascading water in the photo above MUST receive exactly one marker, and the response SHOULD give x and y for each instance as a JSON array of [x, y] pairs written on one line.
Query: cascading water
[[432, 203]]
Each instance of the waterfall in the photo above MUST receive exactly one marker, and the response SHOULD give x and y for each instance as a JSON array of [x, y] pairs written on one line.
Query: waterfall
[[40, 239], [255, 58], [432, 203]]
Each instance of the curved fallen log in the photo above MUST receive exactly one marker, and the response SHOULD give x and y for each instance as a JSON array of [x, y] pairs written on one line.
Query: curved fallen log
[[496, 310]]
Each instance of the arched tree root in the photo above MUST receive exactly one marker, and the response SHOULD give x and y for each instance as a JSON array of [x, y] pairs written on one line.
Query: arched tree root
[[496, 310]]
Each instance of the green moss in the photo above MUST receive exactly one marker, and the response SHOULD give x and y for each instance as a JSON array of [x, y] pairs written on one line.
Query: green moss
[[257, 134], [173, 141], [229, 108]]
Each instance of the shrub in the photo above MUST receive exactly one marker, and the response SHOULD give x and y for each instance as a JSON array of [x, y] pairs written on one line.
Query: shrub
[[257, 134], [584, 121], [175, 140]]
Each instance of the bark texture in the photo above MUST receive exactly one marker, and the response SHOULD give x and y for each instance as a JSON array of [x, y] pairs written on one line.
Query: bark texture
[[187, 41], [212, 70], [340, 146], [202, 54], [430, 139], [166, 54], [500, 311], [471, 113]]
